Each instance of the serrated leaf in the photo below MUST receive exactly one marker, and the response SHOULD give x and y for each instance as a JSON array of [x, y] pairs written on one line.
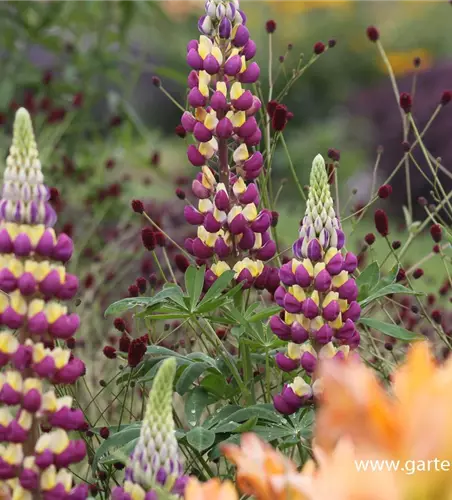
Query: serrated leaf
[[189, 375], [391, 330], [200, 438], [388, 290]]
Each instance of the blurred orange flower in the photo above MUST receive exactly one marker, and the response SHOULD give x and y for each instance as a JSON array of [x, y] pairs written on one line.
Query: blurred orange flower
[[213, 489], [403, 62]]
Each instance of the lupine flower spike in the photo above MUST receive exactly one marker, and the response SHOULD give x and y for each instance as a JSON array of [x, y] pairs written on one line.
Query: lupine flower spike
[[33, 283], [318, 296], [222, 119], [154, 470]]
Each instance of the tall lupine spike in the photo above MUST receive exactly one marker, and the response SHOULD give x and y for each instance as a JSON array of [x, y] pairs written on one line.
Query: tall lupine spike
[[318, 296], [33, 281], [154, 470], [222, 119]]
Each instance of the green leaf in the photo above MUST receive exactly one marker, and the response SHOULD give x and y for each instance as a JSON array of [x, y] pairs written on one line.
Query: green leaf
[[200, 438], [219, 285], [264, 314], [190, 374], [215, 452], [392, 330], [114, 443], [194, 281], [388, 290], [195, 405], [368, 279], [246, 426], [264, 412], [216, 385], [221, 414]]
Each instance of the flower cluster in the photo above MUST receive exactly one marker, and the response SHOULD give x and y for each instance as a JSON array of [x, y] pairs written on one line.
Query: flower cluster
[[33, 281], [318, 295], [222, 119], [154, 469]]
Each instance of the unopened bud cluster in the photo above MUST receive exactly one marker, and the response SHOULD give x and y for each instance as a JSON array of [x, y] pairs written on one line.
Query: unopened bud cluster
[[318, 296], [222, 121]]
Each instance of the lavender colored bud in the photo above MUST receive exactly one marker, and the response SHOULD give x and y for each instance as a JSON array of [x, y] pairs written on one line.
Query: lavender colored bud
[[205, 25], [63, 248], [8, 281], [286, 364], [250, 195], [248, 128], [224, 128], [346, 332], [246, 278], [211, 65], [279, 296], [331, 311], [199, 190], [299, 334], [324, 238], [194, 156], [350, 262], [193, 216], [230, 11], [302, 276], [192, 45], [322, 281], [225, 28], [50, 285], [188, 121], [211, 11], [244, 102], [233, 65], [211, 224], [291, 304], [201, 250], [308, 362], [355, 340], [220, 11], [296, 248], [286, 275], [314, 250], [202, 133], [251, 74], [323, 335], [253, 140], [267, 251], [262, 222], [6, 245], [242, 35], [310, 308], [243, 16], [238, 224], [22, 245], [248, 239], [353, 312], [196, 99], [349, 290], [340, 238], [194, 60], [335, 264], [280, 328], [249, 51], [193, 79], [221, 248]]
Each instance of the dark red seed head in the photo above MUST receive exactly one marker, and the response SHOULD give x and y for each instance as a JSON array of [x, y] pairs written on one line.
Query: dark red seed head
[[372, 33], [270, 26], [102, 475], [155, 159], [406, 102], [133, 291], [56, 115], [119, 324], [137, 350], [369, 238], [221, 333], [436, 249], [124, 343], [446, 97], [110, 164], [418, 273], [141, 284], [275, 218], [118, 465], [401, 275], [436, 233], [115, 121], [77, 100], [180, 131], [47, 77], [279, 118], [180, 193], [271, 107], [93, 489], [148, 238], [137, 206], [436, 316], [181, 262], [109, 352], [396, 244], [70, 342], [156, 81], [422, 201], [54, 194], [152, 279], [406, 146], [104, 432], [89, 281], [384, 191], [334, 154], [417, 62], [430, 299], [332, 43], [160, 239], [319, 48], [381, 222]]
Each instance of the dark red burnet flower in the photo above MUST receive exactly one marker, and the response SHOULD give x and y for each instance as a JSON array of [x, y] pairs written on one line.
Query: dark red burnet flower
[[155, 159], [275, 218], [406, 102], [182, 263], [119, 324], [319, 48], [436, 249], [124, 343], [110, 164], [180, 193], [133, 291], [436, 316], [381, 222], [401, 275], [115, 121], [104, 432], [136, 352], [160, 238], [141, 283], [148, 238], [270, 26], [88, 281], [418, 273], [70, 342], [109, 352], [137, 206], [280, 117], [77, 100], [369, 238], [332, 43], [271, 106], [372, 33], [156, 81], [384, 191], [56, 115], [396, 244], [436, 233], [446, 97], [47, 77], [180, 131], [334, 154]]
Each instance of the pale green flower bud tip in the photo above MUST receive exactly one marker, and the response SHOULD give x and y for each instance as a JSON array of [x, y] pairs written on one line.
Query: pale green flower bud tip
[[319, 176], [23, 135], [160, 399]]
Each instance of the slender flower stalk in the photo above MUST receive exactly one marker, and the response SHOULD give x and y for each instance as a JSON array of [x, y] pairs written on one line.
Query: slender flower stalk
[[33, 284], [222, 120], [318, 296], [154, 470]]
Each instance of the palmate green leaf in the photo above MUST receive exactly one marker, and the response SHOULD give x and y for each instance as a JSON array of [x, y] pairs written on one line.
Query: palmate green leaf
[[216, 385], [391, 330], [264, 314], [220, 415], [219, 285], [190, 374], [197, 401], [388, 290], [194, 281], [200, 438], [215, 452], [368, 280], [114, 443], [246, 426]]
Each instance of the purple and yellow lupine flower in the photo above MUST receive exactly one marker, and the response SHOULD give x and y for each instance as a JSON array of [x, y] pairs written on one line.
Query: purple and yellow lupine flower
[[318, 295], [33, 281], [154, 470], [222, 119]]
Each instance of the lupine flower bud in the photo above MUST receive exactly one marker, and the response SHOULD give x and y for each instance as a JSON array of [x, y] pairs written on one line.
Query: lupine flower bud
[[154, 469], [34, 282], [318, 296]]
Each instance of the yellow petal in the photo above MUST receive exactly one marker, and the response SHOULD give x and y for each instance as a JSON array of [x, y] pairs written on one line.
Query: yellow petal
[[221, 87], [204, 46], [241, 153], [238, 119], [236, 90]]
